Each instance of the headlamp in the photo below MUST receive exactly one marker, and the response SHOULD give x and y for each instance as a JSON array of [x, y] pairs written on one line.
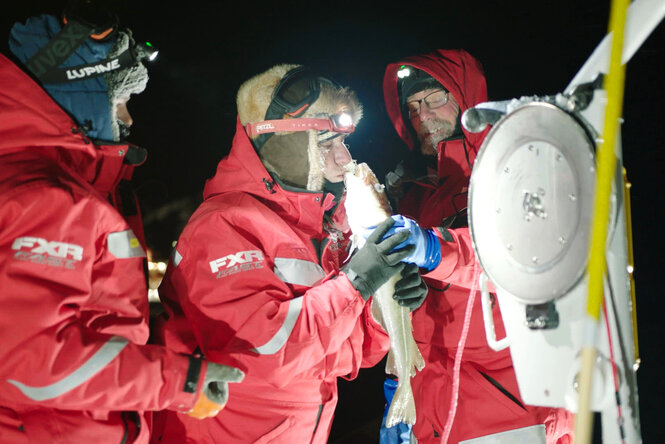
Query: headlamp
[[339, 123], [403, 72], [145, 52], [294, 94]]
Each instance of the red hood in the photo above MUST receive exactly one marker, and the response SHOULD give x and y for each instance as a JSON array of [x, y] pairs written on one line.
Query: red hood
[[243, 171], [240, 170], [30, 120], [462, 75]]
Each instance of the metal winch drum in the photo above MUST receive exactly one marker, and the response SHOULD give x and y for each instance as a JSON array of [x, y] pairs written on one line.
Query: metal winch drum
[[531, 202]]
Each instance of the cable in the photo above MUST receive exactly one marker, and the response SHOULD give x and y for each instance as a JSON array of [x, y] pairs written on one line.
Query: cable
[[458, 357]]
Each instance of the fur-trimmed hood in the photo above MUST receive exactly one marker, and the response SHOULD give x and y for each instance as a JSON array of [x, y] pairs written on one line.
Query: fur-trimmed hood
[[294, 157], [255, 95]]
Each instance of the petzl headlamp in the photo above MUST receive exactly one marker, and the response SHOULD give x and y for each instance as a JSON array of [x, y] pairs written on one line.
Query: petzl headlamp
[[339, 123], [295, 93], [82, 20]]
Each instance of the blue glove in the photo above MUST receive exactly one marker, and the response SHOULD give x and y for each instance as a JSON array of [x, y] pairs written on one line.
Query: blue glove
[[427, 253]]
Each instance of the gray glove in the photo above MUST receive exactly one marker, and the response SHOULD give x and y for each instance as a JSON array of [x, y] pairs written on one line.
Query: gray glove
[[215, 384], [372, 265], [215, 391]]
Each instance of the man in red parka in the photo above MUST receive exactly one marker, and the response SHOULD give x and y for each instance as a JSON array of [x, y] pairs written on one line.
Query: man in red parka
[[259, 274], [74, 364], [425, 97]]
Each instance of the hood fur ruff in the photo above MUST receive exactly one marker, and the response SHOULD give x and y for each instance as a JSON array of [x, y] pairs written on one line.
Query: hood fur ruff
[[255, 95], [253, 100]]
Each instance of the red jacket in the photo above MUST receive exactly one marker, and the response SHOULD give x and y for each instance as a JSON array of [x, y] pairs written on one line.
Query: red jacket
[[74, 366], [488, 400], [255, 281]]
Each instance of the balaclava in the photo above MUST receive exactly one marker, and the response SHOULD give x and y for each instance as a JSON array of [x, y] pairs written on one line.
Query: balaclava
[[294, 157], [124, 82]]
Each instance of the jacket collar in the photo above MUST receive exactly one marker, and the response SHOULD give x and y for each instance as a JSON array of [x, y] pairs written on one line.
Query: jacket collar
[[242, 171], [31, 121]]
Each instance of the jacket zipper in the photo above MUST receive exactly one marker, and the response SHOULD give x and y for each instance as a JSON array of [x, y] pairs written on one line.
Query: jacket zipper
[[502, 389], [318, 418]]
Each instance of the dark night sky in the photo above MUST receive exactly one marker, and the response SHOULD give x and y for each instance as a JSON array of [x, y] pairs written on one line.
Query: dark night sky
[[186, 117]]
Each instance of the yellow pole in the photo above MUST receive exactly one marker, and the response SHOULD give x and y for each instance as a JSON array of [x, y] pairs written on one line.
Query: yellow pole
[[606, 165]]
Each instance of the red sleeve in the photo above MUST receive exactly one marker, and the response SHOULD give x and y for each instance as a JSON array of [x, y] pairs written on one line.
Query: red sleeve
[[75, 322], [458, 259], [240, 308], [376, 341]]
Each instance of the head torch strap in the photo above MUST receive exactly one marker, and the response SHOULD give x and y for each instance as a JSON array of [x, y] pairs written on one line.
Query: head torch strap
[[125, 59], [59, 48], [290, 125]]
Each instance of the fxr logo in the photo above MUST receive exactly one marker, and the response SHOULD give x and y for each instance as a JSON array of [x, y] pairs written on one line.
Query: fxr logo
[[38, 245], [242, 257]]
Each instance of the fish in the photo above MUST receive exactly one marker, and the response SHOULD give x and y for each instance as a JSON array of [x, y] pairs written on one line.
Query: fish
[[367, 206]]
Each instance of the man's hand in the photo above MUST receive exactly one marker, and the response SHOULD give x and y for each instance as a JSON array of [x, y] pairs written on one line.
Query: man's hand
[[215, 391], [378, 260], [410, 291]]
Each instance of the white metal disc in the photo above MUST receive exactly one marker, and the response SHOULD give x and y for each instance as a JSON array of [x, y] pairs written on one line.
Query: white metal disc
[[531, 200]]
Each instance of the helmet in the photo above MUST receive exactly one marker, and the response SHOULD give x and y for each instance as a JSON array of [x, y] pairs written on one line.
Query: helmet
[[84, 62], [287, 111]]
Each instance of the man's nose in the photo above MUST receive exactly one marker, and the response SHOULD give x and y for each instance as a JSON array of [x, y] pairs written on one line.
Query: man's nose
[[425, 113], [123, 114], [342, 155]]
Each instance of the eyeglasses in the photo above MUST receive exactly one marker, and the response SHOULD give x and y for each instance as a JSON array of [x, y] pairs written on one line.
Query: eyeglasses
[[433, 100]]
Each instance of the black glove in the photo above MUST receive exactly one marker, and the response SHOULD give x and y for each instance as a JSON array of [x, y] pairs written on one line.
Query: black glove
[[372, 265], [410, 291]]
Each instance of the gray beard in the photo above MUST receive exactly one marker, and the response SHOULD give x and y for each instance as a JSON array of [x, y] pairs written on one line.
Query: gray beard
[[437, 130], [123, 129]]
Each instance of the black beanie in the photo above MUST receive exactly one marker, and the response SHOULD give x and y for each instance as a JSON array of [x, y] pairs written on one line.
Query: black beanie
[[415, 82]]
